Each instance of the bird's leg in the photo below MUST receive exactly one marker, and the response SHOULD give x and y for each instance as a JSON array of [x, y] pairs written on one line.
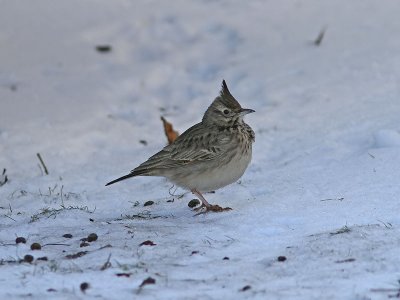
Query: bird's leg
[[208, 207], [204, 202]]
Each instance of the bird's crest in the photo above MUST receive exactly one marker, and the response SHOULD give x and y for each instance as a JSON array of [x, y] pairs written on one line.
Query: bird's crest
[[226, 97]]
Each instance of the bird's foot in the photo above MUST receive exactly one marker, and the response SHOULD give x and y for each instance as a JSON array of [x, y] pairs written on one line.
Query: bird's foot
[[210, 208]]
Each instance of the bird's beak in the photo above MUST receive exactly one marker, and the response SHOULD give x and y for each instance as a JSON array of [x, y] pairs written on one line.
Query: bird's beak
[[245, 111]]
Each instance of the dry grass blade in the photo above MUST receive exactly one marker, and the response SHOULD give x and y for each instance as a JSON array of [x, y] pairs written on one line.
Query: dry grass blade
[[107, 264]]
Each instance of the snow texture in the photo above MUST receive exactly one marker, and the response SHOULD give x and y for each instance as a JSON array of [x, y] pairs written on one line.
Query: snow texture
[[322, 190]]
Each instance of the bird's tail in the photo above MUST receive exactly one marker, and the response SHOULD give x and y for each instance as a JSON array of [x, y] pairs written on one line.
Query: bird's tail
[[132, 174]]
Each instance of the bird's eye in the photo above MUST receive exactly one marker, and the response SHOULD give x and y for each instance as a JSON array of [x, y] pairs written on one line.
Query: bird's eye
[[226, 111]]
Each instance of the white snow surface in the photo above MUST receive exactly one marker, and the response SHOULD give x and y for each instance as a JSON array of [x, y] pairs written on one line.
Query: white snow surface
[[322, 189]]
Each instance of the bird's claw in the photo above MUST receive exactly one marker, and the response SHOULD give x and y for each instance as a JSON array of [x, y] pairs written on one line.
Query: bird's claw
[[210, 208]]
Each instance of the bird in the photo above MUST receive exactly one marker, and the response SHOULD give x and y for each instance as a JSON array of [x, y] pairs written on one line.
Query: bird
[[209, 155]]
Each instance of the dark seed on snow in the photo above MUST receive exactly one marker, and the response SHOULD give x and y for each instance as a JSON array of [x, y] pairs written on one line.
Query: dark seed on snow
[[193, 203], [44, 258], [148, 280], [84, 286], [124, 274], [103, 48], [67, 235], [226, 258], [84, 244], [148, 243], [36, 246], [92, 237], [28, 258], [20, 239], [245, 288], [281, 258], [148, 203]]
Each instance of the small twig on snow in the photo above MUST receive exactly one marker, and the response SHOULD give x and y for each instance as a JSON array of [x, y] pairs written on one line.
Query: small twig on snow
[[5, 178], [42, 162], [320, 37], [56, 244], [10, 218], [333, 199]]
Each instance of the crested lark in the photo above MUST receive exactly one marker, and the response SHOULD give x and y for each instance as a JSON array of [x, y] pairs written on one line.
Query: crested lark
[[207, 156]]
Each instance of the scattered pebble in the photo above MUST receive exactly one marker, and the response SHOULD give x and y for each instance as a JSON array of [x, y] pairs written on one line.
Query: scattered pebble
[[36, 246], [84, 244], [194, 252], [148, 203], [67, 235], [92, 237], [20, 239], [193, 203], [28, 258], [143, 142], [226, 258]]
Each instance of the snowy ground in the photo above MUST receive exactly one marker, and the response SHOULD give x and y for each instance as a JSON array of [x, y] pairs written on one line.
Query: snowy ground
[[322, 190]]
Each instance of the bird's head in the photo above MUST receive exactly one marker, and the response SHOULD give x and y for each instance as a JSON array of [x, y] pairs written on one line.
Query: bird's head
[[225, 110]]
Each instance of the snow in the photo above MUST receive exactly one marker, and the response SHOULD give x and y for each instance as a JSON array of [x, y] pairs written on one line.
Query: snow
[[322, 189]]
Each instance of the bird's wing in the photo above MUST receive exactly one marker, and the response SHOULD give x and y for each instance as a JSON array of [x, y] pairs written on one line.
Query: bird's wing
[[195, 145]]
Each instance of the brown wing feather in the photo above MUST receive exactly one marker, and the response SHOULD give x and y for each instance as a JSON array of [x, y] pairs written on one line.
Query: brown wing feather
[[193, 146]]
